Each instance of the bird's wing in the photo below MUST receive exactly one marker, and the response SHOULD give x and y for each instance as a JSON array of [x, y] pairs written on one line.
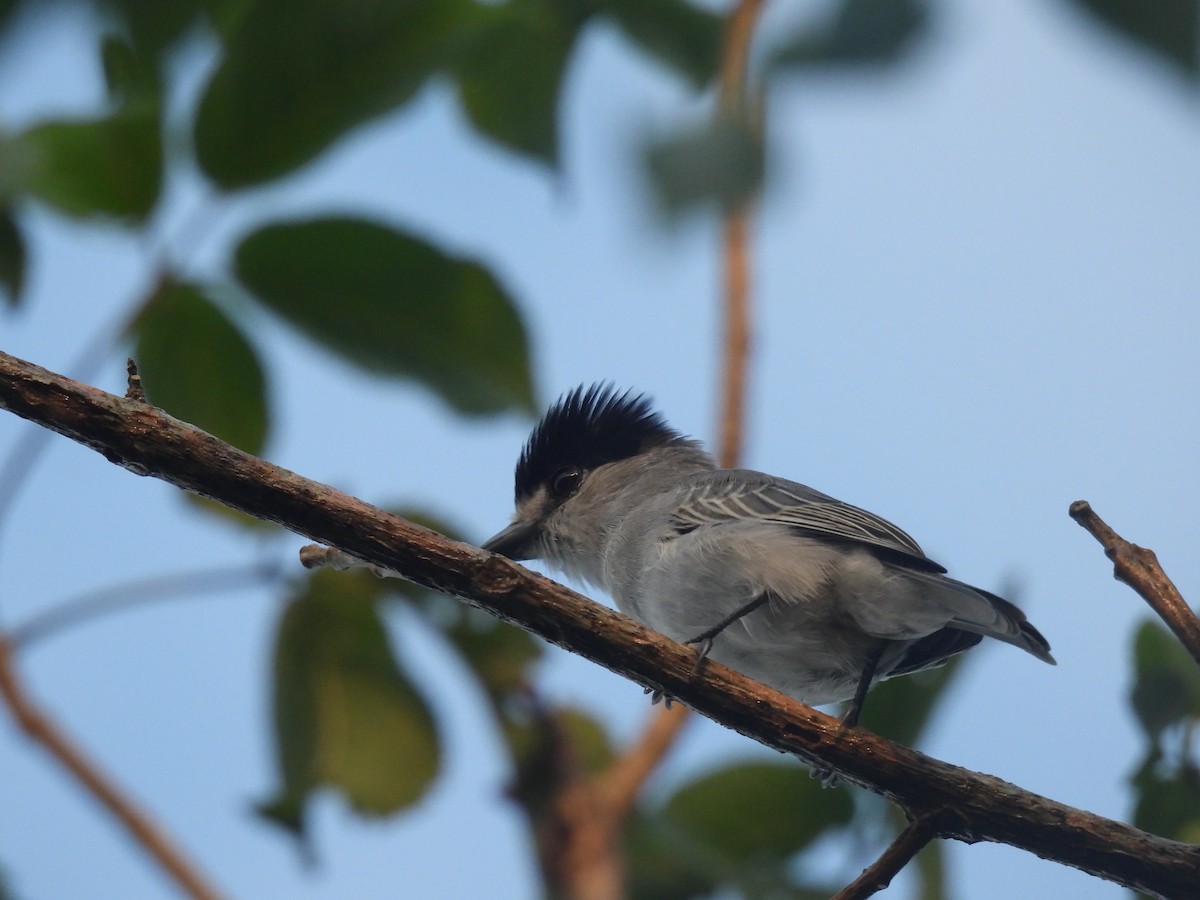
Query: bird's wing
[[731, 495]]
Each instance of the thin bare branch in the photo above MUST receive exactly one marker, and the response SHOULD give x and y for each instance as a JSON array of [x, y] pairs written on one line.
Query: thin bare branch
[[736, 228], [149, 442], [622, 782], [899, 853], [147, 833], [97, 603], [735, 242], [1139, 568]]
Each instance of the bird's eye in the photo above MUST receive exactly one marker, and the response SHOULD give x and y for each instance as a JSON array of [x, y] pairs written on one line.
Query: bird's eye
[[564, 482]]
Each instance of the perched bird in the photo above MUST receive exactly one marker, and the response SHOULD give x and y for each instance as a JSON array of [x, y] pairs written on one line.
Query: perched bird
[[814, 597]]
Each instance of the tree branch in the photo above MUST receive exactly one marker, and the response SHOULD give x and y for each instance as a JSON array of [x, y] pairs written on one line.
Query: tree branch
[[879, 875], [148, 834], [1139, 568], [149, 442]]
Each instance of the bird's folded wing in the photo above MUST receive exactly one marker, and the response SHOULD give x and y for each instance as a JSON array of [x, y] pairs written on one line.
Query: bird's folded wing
[[727, 496]]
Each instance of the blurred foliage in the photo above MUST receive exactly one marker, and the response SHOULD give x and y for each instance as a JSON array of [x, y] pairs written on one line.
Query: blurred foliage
[[510, 79], [394, 304], [1170, 28], [346, 714], [1166, 700], [293, 79], [858, 33], [12, 258], [197, 365]]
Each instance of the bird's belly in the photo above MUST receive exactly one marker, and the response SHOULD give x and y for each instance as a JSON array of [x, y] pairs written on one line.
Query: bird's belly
[[814, 667]]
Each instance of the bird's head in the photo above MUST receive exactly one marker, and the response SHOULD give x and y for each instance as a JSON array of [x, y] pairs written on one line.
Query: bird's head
[[579, 469]]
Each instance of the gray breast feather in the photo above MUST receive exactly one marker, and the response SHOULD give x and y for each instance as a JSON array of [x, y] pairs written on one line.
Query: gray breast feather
[[730, 495]]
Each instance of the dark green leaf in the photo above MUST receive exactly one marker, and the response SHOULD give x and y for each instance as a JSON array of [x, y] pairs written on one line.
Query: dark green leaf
[[721, 163], [658, 871], [198, 366], [1167, 27], [500, 654], [862, 32], [673, 31], [900, 709], [394, 304], [346, 715], [511, 79], [298, 74], [153, 25], [1167, 682], [1170, 806], [132, 77], [12, 258], [111, 166], [753, 811]]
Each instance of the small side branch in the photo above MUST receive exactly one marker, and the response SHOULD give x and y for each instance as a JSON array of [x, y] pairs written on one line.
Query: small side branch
[[621, 783], [879, 874], [1139, 568], [147, 833]]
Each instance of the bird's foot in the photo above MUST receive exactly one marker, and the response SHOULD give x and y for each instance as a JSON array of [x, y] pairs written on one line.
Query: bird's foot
[[705, 642], [658, 696], [827, 777]]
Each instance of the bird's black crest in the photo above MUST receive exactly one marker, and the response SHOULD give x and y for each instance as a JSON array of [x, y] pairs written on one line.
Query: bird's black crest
[[587, 428]]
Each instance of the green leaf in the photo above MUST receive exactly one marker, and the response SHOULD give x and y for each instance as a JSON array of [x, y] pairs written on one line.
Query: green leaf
[[131, 77], [152, 25], [862, 32], [346, 715], [658, 871], [1167, 681], [1170, 806], [12, 258], [748, 812], [674, 32], [394, 304], [721, 162], [197, 365], [1166, 27], [500, 654], [298, 74], [511, 79], [108, 166]]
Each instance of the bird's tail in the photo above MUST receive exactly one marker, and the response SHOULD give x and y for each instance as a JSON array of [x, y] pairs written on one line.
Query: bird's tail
[[997, 619]]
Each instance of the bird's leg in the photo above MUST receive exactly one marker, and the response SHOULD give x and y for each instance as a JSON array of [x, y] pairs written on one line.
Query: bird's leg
[[854, 710], [705, 638]]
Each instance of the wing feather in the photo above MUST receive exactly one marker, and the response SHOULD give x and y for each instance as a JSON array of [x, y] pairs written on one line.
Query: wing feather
[[731, 495]]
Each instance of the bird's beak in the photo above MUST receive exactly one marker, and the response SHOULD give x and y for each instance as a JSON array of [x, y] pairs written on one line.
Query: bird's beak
[[517, 541]]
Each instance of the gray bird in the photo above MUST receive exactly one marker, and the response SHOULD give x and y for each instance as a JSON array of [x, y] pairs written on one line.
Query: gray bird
[[814, 597]]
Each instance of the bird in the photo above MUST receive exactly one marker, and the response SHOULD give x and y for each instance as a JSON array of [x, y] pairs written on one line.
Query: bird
[[811, 596]]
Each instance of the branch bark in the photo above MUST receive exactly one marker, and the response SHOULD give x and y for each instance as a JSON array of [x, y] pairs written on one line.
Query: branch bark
[[148, 442], [879, 875], [1139, 568]]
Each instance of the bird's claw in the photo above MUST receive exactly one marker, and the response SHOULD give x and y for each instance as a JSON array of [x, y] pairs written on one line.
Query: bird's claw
[[701, 654], [827, 777], [657, 695]]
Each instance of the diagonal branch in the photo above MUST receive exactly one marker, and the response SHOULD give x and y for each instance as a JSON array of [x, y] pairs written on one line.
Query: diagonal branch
[[1139, 568], [149, 442], [40, 728], [879, 874]]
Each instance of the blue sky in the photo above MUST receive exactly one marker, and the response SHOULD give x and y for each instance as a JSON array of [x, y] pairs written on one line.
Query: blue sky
[[975, 282]]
